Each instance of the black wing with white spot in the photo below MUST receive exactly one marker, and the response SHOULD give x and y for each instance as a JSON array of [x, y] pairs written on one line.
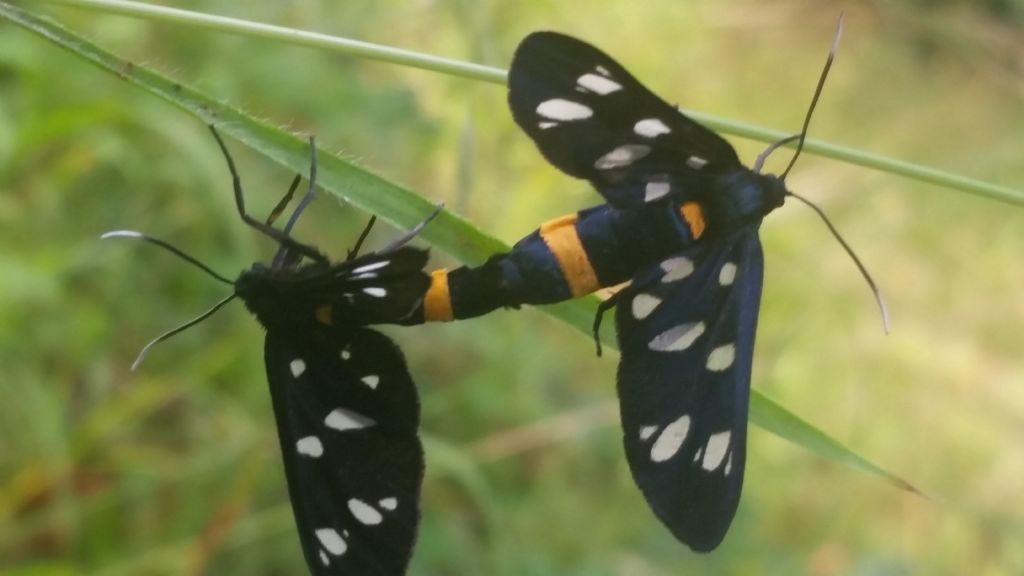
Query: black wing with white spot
[[347, 416], [374, 288], [686, 333], [593, 120]]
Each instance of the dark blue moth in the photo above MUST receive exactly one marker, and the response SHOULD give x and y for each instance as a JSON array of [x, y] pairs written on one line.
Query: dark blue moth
[[681, 226], [686, 323], [347, 410]]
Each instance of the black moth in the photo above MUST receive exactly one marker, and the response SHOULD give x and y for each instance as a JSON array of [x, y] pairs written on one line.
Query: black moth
[[687, 320], [347, 410], [681, 226], [686, 323]]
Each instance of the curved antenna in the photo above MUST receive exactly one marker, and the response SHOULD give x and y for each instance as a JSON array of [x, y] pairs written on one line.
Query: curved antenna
[[817, 94], [183, 327], [860, 266], [169, 247]]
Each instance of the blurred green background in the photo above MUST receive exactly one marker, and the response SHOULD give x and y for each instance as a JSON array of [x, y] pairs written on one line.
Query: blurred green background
[[175, 469]]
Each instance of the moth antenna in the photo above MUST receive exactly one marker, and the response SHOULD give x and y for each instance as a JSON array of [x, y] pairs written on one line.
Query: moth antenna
[[170, 248], [405, 238], [860, 266], [181, 328], [817, 94]]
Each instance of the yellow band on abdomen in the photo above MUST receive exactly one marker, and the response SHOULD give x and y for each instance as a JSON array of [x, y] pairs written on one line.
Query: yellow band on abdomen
[[563, 241], [437, 303], [694, 216]]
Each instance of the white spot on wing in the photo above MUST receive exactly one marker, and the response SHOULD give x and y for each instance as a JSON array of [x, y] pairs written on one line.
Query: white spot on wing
[[715, 451], [371, 380], [655, 190], [364, 276], [677, 338], [721, 358], [643, 305], [297, 367], [345, 353], [376, 291], [331, 541], [599, 84], [563, 110], [728, 465], [622, 156], [342, 419], [324, 559], [369, 267], [696, 162], [310, 446], [365, 513], [651, 128], [602, 70], [389, 503], [676, 268], [727, 274], [671, 439], [546, 125], [647, 431]]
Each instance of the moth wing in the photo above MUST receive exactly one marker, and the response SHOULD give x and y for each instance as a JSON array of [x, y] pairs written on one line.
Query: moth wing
[[377, 287], [593, 120], [347, 416], [686, 335]]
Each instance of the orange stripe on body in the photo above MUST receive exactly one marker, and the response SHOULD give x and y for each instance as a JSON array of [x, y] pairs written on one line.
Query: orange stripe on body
[[564, 242], [437, 303], [694, 216]]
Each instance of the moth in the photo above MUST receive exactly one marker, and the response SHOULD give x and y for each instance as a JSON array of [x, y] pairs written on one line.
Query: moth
[[346, 407], [681, 226]]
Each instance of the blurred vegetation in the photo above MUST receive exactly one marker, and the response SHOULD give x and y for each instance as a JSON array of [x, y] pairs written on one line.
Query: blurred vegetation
[[174, 469]]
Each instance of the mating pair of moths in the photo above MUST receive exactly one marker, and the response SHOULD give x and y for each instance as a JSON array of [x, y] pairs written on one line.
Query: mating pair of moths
[[680, 223]]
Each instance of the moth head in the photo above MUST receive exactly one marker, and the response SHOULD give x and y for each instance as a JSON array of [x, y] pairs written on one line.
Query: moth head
[[742, 197], [773, 189], [273, 295]]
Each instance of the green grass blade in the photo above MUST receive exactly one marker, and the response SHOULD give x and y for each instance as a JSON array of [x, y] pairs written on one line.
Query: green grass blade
[[291, 36], [491, 74], [781, 422], [403, 208]]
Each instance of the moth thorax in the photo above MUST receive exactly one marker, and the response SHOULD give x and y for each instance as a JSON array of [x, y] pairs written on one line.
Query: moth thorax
[[742, 197]]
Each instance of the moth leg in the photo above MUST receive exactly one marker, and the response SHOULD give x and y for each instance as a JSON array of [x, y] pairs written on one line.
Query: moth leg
[[362, 237], [405, 238], [277, 235], [603, 307], [283, 202], [310, 192], [283, 258]]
